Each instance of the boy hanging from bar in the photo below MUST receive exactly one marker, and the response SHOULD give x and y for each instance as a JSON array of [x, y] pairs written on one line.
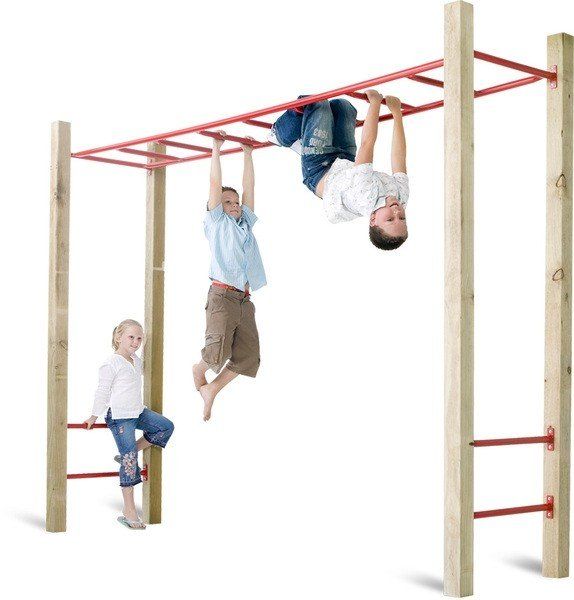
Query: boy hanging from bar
[[324, 134], [236, 268]]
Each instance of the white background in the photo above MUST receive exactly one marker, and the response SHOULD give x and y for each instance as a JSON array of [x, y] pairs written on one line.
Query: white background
[[321, 479]]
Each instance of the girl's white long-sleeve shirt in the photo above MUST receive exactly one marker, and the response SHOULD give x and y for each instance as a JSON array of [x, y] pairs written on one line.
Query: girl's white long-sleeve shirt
[[119, 388]]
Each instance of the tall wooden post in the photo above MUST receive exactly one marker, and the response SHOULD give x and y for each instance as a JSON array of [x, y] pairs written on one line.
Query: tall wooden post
[[58, 328], [153, 352], [558, 341], [459, 298]]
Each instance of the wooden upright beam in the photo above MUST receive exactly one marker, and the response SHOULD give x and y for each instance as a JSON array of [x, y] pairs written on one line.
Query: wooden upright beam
[[58, 328], [153, 352], [459, 299], [558, 341]]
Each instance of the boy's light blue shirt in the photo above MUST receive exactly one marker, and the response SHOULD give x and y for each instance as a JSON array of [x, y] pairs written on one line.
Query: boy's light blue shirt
[[235, 258]]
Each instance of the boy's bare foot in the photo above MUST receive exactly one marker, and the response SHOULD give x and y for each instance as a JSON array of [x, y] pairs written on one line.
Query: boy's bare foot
[[198, 377], [208, 396]]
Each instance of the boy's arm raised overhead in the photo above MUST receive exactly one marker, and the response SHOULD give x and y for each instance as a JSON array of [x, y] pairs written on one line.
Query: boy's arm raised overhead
[[215, 175], [248, 197], [370, 129], [399, 145]]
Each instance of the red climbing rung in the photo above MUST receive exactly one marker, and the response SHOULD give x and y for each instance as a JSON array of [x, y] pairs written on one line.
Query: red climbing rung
[[91, 475], [257, 123], [230, 138], [544, 439], [548, 508], [185, 146], [83, 426], [158, 155], [102, 474], [427, 80]]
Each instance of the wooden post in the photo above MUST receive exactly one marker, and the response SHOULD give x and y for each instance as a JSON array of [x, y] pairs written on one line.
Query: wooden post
[[153, 352], [459, 299], [58, 328], [558, 341]]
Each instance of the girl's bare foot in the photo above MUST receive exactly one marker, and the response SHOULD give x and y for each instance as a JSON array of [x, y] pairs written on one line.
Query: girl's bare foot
[[198, 377], [208, 396]]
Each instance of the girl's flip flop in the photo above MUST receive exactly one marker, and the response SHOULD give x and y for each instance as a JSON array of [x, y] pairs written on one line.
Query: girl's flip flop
[[131, 524]]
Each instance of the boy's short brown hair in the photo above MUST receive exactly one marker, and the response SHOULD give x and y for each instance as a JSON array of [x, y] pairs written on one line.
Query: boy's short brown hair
[[226, 188], [383, 241]]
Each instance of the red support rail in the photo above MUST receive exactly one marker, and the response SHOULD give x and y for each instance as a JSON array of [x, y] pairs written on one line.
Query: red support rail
[[83, 426], [505, 86], [548, 508], [103, 474], [547, 439], [503, 62], [125, 163]]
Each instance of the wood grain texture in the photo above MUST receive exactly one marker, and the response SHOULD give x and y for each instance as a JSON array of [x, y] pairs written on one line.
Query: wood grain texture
[[558, 339], [154, 306], [459, 299], [56, 483]]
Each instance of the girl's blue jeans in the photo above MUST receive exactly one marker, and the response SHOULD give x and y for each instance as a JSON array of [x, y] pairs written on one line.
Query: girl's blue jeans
[[157, 430], [327, 132]]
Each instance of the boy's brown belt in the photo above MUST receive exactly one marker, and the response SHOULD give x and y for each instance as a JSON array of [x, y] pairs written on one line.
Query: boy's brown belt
[[229, 287]]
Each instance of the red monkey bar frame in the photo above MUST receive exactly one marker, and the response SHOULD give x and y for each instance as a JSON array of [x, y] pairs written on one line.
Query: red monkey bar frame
[[157, 160]]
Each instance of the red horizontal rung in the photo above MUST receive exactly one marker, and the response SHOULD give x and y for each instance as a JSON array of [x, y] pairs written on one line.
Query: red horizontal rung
[[149, 154], [103, 474], [548, 508], [362, 96], [230, 138], [257, 123], [512, 441], [200, 156], [544, 439], [83, 426], [427, 80], [91, 475], [185, 146]]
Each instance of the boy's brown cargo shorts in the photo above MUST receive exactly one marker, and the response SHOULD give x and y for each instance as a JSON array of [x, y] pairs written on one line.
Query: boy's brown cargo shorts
[[231, 332]]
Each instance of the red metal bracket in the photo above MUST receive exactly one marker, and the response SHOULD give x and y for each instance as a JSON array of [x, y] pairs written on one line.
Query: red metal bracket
[[554, 80], [550, 435], [550, 504], [143, 473]]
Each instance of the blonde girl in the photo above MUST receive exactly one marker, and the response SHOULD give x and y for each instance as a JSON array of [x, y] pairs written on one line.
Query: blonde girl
[[119, 397]]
